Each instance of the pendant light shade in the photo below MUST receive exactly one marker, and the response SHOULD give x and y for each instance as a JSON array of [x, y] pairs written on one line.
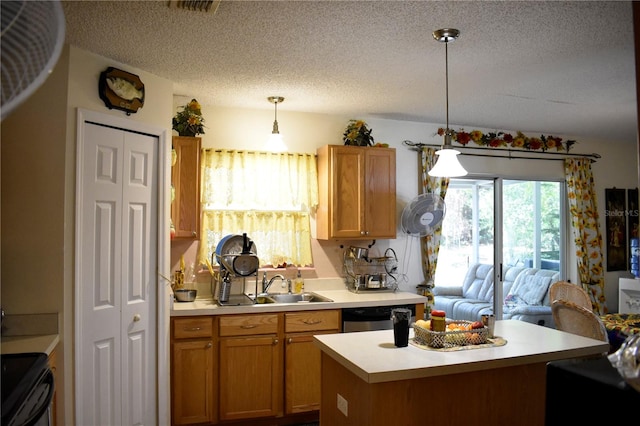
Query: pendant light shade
[[447, 164], [275, 142]]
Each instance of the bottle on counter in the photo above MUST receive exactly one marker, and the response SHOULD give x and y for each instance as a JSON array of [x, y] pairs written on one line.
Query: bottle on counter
[[298, 283], [438, 321]]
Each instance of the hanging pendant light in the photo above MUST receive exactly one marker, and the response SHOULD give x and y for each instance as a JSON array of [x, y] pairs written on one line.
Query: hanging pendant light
[[447, 164], [275, 142]]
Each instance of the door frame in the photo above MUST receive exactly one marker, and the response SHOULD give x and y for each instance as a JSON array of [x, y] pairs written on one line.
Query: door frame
[[163, 309]]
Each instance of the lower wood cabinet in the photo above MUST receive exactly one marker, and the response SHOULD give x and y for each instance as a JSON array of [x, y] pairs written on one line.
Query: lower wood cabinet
[[250, 366], [302, 357], [232, 367], [192, 371]]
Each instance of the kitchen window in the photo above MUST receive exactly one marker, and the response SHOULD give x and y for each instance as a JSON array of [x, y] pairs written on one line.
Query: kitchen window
[[268, 196]]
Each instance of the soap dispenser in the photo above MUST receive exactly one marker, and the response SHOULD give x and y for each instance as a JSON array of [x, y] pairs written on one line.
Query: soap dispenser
[[299, 283]]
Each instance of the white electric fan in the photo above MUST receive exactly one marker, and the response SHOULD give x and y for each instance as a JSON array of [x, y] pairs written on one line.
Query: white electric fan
[[30, 44], [423, 215]]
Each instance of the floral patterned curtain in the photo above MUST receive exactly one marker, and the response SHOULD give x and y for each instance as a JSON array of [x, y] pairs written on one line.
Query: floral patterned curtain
[[586, 233], [269, 196], [430, 245]]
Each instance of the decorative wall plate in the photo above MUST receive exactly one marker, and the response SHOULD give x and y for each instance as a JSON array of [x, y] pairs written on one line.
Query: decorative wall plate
[[121, 90]]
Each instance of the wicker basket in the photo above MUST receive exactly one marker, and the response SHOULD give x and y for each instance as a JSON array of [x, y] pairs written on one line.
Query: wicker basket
[[448, 339]]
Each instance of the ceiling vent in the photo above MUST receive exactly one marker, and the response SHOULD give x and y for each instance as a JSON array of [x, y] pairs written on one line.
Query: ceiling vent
[[208, 6]]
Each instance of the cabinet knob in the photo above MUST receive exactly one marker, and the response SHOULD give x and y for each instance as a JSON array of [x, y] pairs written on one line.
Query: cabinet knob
[[209, 345], [275, 341], [289, 340], [194, 234], [137, 318]]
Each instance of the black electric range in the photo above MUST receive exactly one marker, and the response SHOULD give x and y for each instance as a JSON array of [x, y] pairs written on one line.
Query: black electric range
[[27, 389]]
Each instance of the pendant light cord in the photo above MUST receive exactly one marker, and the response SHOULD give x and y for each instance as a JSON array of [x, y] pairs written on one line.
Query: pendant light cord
[[275, 121], [446, 83]]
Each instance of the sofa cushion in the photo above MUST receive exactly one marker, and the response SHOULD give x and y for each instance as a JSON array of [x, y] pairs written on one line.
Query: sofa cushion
[[471, 309], [529, 289], [478, 281], [446, 303], [510, 274]]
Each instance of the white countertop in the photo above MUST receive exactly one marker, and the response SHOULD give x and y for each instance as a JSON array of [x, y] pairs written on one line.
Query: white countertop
[[342, 298], [373, 357], [27, 344]]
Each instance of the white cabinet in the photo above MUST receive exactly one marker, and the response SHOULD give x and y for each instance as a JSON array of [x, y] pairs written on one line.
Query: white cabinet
[[629, 296]]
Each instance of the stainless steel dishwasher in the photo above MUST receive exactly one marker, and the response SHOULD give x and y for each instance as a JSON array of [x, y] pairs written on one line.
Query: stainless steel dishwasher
[[371, 318]]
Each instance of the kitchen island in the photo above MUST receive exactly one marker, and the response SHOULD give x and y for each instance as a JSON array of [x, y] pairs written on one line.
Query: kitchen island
[[366, 380]]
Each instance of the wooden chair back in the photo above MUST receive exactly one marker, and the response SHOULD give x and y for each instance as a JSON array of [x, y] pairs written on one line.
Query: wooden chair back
[[576, 319], [563, 290]]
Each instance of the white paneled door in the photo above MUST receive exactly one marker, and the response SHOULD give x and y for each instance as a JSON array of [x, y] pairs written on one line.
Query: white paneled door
[[116, 263]]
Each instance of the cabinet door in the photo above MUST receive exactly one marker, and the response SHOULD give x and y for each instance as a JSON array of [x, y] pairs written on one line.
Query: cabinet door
[[347, 199], [185, 177], [302, 373], [356, 192], [302, 357], [250, 377], [380, 193], [192, 378]]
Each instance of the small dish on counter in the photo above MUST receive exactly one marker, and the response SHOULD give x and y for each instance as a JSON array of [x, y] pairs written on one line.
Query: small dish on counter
[[185, 295]]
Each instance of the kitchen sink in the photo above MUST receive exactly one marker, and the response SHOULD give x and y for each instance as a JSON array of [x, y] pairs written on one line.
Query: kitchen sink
[[292, 298]]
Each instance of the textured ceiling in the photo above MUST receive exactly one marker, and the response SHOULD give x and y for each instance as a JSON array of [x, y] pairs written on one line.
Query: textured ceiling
[[542, 67]]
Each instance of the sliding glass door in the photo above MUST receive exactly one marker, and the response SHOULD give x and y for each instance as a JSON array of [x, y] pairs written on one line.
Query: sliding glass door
[[532, 228], [467, 229], [501, 222]]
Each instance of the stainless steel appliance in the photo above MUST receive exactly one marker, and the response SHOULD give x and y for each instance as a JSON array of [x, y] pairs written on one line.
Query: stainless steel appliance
[[27, 389], [371, 318]]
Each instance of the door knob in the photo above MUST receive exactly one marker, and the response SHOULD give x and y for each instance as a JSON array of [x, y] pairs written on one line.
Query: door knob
[[137, 318]]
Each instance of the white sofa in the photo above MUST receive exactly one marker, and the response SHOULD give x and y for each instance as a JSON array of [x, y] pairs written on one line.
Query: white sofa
[[525, 291]]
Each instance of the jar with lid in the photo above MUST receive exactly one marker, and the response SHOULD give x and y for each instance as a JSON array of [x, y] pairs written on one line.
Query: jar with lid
[[438, 321]]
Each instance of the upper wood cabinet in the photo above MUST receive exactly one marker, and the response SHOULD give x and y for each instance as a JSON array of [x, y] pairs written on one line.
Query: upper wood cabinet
[[185, 178], [357, 192]]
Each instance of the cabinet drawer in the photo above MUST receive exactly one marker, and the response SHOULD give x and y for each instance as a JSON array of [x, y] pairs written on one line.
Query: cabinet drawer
[[311, 321], [243, 325], [186, 328]]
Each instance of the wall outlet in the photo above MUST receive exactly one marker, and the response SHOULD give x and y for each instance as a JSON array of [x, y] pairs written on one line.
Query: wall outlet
[[343, 405]]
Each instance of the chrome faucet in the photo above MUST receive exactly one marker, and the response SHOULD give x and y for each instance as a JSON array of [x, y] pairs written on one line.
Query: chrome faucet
[[265, 288]]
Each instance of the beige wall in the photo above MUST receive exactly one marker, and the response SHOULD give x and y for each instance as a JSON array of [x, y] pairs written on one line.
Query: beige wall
[[249, 129], [38, 191]]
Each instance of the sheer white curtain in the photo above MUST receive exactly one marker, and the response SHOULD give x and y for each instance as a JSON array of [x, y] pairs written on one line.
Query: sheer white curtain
[[265, 195]]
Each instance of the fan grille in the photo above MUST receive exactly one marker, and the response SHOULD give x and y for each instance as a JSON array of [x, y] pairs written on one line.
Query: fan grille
[[423, 215], [31, 41]]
